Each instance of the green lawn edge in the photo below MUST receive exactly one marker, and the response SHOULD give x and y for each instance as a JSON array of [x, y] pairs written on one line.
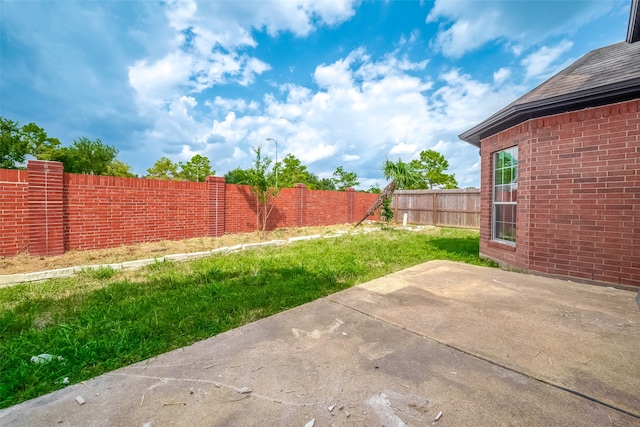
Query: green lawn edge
[[102, 320]]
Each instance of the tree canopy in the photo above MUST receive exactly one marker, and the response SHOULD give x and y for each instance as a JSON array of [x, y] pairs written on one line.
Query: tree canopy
[[13, 148], [17, 142], [163, 168], [86, 156], [432, 167], [403, 174], [344, 179], [197, 169], [83, 156], [238, 176]]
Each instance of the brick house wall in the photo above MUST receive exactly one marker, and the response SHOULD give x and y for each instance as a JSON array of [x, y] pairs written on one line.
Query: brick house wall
[[578, 212], [47, 212]]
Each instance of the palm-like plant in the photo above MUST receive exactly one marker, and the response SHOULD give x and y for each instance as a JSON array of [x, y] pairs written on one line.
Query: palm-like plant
[[401, 175]]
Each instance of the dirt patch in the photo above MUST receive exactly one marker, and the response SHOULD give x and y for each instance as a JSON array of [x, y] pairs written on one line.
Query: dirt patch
[[25, 263]]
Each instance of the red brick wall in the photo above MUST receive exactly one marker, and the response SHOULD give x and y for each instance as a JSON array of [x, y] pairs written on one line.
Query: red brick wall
[[47, 212], [14, 208], [578, 194], [105, 211]]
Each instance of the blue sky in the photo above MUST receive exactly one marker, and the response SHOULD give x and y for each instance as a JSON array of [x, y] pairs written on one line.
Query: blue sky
[[337, 83]]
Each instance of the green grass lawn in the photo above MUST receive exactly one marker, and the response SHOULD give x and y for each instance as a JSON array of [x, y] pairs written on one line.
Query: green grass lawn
[[102, 320]]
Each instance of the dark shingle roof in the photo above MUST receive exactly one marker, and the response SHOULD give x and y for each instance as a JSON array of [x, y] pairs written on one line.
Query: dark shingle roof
[[602, 76]]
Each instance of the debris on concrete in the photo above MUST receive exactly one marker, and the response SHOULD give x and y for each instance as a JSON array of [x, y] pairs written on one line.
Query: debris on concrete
[[45, 358], [80, 400], [438, 416], [310, 423], [244, 390], [330, 408]]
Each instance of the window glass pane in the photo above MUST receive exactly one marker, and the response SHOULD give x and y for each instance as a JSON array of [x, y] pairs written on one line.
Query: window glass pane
[[505, 194], [509, 232]]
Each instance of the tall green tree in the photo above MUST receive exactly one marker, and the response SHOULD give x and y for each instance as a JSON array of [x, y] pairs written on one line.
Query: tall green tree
[[86, 156], [197, 169], [41, 145], [344, 179], [432, 167], [13, 146], [292, 172], [326, 184], [163, 168], [121, 169], [238, 176]]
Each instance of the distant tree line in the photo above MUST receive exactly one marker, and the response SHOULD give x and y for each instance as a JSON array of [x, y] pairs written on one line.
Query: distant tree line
[[85, 156]]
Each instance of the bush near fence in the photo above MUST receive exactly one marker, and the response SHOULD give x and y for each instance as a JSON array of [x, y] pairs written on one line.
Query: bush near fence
[[47, 212]]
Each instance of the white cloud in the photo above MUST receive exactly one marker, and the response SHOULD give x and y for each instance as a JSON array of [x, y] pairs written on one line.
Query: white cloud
[[465, 25], [337, 74], [374, 110], [207, 47], [538, 64], [403, 148], [501, 75]]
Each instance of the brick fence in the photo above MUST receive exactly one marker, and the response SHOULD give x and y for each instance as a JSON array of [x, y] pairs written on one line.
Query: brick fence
[[48, 212]]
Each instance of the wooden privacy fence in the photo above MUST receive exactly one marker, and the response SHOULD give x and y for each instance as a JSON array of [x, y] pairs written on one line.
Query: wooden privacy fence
[[450, 208]]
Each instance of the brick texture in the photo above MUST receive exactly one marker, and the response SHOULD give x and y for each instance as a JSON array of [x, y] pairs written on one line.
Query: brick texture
[[47, 212], [45, 216], [578, 211], [14, 211]]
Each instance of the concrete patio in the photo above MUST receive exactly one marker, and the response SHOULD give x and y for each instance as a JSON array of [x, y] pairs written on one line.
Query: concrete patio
[[441, 343]]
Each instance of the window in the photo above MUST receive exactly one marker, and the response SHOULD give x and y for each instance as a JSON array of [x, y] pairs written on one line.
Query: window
[[505, 194]]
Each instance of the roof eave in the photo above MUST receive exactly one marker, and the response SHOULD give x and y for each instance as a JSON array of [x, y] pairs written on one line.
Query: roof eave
[[516, 114]]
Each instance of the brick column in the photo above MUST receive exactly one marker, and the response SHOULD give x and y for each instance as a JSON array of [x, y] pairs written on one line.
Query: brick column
[[301, 204], [46, 215], [216, 189], [351, 193]]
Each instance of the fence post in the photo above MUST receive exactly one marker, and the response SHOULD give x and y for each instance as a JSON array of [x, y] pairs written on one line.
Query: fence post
[[351, 193], [46, 210], [301, 204], [216, 193], [435, 209]]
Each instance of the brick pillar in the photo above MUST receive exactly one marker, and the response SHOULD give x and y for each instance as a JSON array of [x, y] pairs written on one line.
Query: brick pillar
[[46, 215], [301, 204], [351, 193], [216, 189]]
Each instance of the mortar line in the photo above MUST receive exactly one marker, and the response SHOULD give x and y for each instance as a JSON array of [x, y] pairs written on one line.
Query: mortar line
[[557, 386]]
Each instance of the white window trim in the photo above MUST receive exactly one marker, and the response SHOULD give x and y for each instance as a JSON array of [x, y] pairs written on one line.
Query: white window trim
[[495, 204]]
